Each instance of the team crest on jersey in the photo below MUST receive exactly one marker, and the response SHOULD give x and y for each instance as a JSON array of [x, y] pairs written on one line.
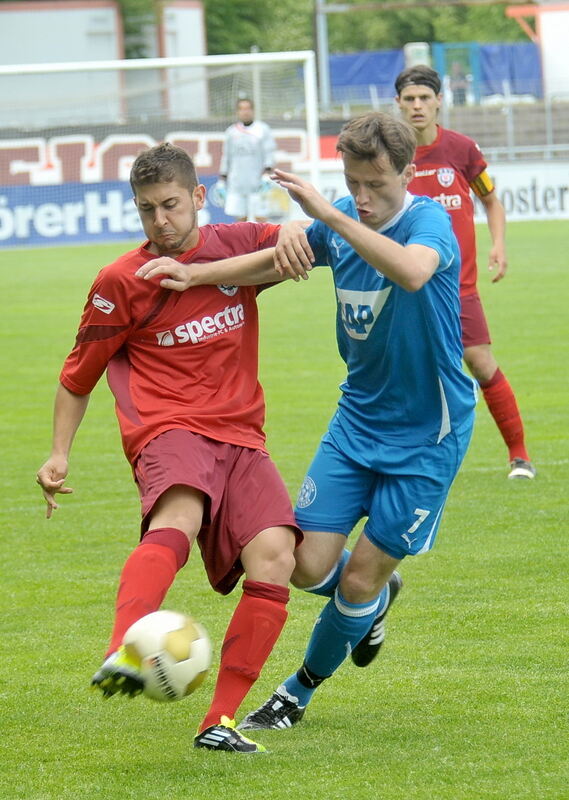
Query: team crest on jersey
[[307, 493], [445, 176], [228, 290]]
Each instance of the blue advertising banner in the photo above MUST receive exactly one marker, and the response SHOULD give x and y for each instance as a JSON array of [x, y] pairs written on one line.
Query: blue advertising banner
[[70, 213]]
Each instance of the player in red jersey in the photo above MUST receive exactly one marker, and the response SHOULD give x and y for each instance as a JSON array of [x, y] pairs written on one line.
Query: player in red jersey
[[449, 165], [183, 370]]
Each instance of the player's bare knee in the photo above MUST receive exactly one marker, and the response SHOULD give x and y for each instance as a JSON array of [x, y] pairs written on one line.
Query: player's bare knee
[[282, 565], [300, 579], [308, 574], [316, 557], [269, 556], [481, 362], [357, 587]]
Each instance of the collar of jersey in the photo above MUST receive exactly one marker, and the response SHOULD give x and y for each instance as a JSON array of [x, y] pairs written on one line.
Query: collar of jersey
[[407, 200]]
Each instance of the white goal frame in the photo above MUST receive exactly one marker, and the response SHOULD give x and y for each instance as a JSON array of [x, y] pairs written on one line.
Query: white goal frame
[[306, 58]]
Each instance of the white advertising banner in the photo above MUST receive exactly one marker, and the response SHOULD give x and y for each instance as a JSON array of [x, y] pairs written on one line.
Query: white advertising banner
[[529, 190]]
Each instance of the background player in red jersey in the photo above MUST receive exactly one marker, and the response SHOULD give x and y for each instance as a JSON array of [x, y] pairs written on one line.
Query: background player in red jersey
[[450, 165], [183, 370]]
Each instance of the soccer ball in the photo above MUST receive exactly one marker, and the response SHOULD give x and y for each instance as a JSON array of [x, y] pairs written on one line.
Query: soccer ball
[[172, 651]]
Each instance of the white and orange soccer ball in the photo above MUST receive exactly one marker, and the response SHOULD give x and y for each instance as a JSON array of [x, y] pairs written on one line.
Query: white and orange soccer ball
[[172, 651]]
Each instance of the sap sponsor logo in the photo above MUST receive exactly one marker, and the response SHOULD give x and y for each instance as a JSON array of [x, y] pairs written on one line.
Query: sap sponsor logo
[[231, 318], [360, 310], [445, 176], [306, 493], [230, 291], [97, 212], [451, 202], [103, 305]]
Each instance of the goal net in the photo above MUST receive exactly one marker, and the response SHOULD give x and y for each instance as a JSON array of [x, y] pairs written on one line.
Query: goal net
[[70, 132]]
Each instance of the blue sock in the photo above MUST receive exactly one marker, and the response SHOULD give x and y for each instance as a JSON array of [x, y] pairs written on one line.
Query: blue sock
[[327, 585], [339, 628]]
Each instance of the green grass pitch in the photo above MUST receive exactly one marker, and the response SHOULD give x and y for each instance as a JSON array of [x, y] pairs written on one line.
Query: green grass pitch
[[469, 699]]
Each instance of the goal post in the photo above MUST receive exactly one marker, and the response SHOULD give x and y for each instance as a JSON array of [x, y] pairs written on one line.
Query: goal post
[[70, 131]]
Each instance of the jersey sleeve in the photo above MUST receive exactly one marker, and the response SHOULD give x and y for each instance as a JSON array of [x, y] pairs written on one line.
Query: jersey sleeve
[[430, 226], [267, 235], [475, 170], [319, 235], [103, 329]]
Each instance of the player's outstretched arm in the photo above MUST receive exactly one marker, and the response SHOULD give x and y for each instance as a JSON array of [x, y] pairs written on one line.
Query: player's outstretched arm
[[68, 412], [252, 269], [410, 266]]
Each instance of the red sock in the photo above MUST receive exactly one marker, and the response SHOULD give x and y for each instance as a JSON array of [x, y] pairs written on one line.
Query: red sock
[[502, 404], [254, 628], [146, 577]]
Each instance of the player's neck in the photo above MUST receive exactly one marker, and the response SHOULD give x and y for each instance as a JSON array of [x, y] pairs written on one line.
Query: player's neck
[[427, 135]]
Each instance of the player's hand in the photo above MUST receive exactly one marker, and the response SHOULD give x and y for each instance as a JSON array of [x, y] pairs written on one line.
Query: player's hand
[[178, 276], [51, 477], [304, 193], [497, 263], [293, 255]]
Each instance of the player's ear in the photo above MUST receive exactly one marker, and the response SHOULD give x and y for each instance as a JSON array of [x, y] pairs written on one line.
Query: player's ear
[[408, 174], [198, 196]]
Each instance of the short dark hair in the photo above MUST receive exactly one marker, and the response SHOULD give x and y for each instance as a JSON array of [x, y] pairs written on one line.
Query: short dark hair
[[372, 135], [163, 163], [420, 75]]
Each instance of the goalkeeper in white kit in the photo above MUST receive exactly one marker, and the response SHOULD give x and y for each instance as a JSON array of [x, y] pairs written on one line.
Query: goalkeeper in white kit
[[246, 163]]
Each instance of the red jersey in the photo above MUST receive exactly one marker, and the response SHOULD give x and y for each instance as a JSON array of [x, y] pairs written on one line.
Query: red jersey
[[176, 360], [447, 170]]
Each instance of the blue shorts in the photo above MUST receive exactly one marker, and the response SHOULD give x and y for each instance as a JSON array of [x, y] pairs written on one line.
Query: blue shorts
[[402, 491]]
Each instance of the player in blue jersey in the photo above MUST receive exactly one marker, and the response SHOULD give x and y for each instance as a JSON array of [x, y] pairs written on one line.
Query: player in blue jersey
[[405, 415]]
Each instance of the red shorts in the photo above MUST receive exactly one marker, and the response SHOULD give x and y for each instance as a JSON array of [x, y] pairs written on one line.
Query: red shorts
[[244, 495], [474, 326]]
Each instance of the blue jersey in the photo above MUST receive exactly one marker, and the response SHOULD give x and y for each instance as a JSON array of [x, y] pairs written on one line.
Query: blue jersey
[[405, 384]]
